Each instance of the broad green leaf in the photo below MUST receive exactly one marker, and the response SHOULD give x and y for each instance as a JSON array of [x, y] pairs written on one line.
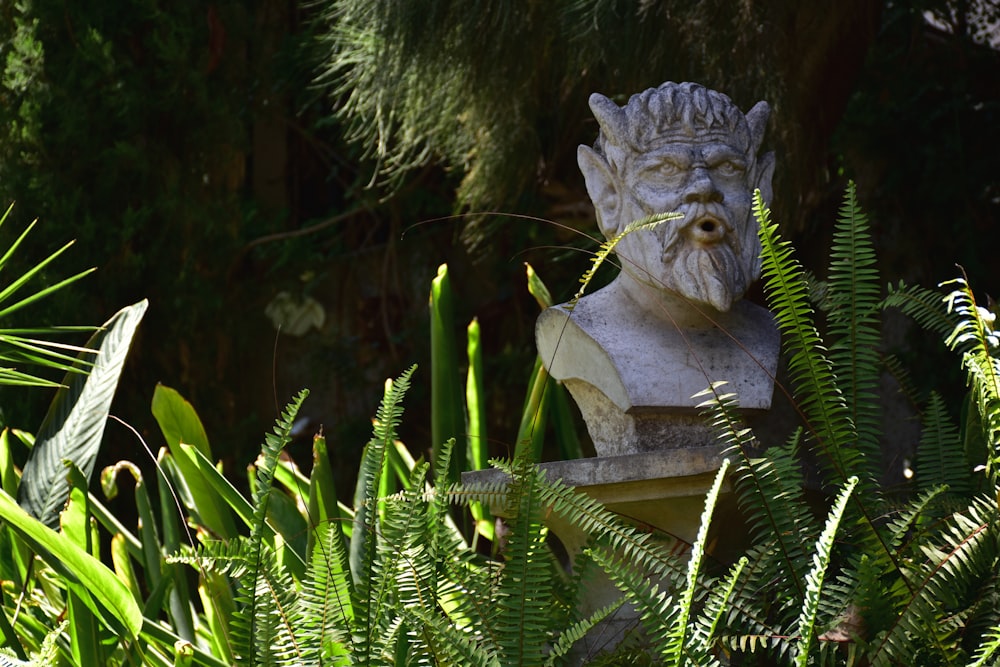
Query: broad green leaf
[[178, 420], [180, 425], [74, 425], [109, 592]]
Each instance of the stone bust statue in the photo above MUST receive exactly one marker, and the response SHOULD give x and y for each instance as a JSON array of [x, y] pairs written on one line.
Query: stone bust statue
[[634, 353]]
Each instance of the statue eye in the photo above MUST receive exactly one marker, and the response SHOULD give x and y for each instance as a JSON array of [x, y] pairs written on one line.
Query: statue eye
[[669, 168], [729, 168]]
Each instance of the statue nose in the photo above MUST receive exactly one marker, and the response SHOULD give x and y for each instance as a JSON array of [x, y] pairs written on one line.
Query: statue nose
[[701, 187]]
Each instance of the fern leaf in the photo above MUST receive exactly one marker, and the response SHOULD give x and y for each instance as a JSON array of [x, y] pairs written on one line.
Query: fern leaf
[[265, 622], [678, 638], [853, 319], [705, 627], [651, 599], [820, 400], [923, 305], [940, 455], [364, 539], [327, 610], [814, 579], [527, 575], [577, 631], [953, 561], [975, 338], [988, 648], [769, 489]]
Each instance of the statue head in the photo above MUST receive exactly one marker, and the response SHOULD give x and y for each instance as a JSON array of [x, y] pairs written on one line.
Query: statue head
[[684, 148]]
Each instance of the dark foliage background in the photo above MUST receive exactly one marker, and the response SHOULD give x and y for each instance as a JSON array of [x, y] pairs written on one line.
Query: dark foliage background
[[209, 156]]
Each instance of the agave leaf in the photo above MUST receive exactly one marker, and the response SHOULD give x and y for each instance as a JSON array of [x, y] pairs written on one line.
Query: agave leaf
[[74, 425]]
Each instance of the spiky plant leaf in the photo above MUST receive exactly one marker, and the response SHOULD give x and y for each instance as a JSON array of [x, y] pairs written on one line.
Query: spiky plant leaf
[[707, 623], [923, 305], [769, 492], [520, 625], [327, 608], [951, 566], [975, 339], [74, 425]]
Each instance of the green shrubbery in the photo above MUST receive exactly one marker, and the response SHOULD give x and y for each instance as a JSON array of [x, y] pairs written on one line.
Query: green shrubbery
[[287, 575]]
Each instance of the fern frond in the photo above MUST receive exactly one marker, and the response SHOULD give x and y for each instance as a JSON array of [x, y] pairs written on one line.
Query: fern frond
[[520, 625], [264, 622], [819, 397], [988, 648], [678, 638], [705, 627], [940, 455], [923, 305], [815, 577], [608, 247], [904, 523], [955, 560], [363, 552], [769, 489], [975, 338], [327, 609], [266, 611], [853, 318], [651, 598], [448, 644], [577, 631]]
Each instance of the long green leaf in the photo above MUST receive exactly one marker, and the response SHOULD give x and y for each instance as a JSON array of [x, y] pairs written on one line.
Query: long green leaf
[[447, 409], [180, 424], [74, 425], [65, 557]]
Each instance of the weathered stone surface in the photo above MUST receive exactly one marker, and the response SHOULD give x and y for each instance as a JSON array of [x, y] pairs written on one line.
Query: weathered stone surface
[[634, 353]]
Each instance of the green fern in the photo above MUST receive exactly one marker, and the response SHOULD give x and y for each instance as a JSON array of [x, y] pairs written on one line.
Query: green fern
[[975, 339], [853, 318], [819, 397], [940, 456], [814, 579], [683, 642]]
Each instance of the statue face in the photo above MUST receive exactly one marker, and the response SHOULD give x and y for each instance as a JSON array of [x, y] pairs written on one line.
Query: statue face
[[681, 148], [710, 255]]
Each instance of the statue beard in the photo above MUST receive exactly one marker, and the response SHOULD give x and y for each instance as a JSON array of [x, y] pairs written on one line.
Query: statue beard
[[708, 273]]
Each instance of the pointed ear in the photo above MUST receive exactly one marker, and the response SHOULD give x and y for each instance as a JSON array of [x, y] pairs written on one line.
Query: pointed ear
[[762, 176], [602, 188], [757, 120]]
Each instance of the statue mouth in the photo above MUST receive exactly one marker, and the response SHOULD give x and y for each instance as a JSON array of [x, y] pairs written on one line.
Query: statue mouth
[[705, 227]]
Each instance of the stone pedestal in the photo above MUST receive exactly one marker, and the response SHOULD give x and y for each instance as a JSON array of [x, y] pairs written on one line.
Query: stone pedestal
[[664, 490]]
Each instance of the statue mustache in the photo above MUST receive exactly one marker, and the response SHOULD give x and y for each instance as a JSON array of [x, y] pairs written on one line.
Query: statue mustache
[[674, 230]]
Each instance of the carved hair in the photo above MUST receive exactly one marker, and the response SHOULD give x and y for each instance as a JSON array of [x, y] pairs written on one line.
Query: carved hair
[[674, 111]]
